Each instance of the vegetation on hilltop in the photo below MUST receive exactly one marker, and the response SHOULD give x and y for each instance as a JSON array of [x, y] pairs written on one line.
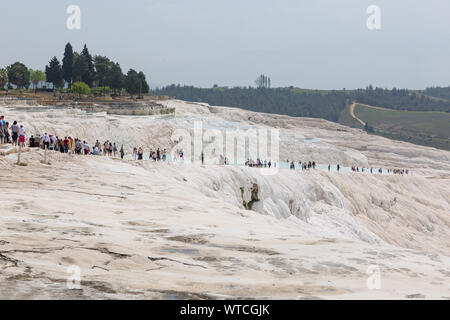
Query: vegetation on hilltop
[[276, 100], [400, 99], [97, 72], [327, 104], [438, 92]]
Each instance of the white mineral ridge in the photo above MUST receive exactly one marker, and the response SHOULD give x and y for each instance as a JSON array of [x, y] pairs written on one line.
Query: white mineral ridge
[[180, 230]]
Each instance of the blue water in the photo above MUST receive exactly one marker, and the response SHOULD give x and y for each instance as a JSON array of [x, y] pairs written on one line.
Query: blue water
[[311, 140]]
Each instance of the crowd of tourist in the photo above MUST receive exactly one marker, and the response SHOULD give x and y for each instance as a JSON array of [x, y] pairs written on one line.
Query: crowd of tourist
[[15, 134], [258, 163], [156, 155], [75, 145], [302, 165]]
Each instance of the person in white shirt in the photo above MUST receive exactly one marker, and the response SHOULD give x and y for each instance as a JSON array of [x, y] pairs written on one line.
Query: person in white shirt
[[52, 142], [46, 141]]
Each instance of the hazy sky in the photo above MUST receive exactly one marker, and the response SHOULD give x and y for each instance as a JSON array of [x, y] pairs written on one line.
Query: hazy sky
[[305, 43]]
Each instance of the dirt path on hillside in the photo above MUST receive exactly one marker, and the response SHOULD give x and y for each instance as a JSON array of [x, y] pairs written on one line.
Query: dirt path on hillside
[[352, 113]]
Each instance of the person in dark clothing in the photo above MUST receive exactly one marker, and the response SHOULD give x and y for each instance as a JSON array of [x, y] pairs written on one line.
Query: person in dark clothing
[[32, 142]]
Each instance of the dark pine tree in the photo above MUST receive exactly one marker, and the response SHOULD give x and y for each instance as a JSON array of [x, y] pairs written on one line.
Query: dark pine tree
[[144, 85], [68, 64], [116, 79], [133, 82], [79, 67], [54, 73], [89, 75]]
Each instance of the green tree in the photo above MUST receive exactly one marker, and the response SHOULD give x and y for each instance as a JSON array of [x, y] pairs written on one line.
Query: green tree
[[19, 75], [67, 65], [103, 68], [88, 75], [3, 78], [133, 83], [262, 82], [144, 85], [80, 88], [37, 76], [54, 73], [116, 79], [80, 67], [108, 73]]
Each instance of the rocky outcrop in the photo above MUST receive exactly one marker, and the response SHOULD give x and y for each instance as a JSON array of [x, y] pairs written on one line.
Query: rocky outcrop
[[249, 196], [131, 108], [126, 108]]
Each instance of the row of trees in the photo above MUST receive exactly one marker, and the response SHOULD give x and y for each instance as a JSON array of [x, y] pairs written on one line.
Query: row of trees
[[401, 99], [309, 103], [19, 75], [276, 100], [97, 71], [438, 92]]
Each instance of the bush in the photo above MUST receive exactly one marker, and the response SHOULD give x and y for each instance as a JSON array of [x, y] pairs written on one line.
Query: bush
[[80, 88]]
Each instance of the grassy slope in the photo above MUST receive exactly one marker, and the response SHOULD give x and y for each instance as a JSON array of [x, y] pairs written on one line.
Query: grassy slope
[[424, 128], [346, 119]]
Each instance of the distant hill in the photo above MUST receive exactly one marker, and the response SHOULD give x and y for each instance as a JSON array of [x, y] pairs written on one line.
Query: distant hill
[[419, 127], [289, 101], [438, 92], [422, 118], [400, 99], [299, 102]]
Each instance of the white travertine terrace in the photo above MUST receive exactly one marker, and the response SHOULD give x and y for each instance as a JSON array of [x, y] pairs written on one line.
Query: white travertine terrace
[[179, 230]]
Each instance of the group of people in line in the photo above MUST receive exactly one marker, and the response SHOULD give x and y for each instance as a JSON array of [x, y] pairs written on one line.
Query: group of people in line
[[75, 145], [302, 165], [155, 155], [258, 163], [267, 164], [15, 134]]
